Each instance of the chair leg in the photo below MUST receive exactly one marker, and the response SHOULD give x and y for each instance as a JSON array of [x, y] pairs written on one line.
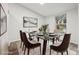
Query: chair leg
[[24, 50], [53, 40], [67, 52], [28, 51], [23, 47], [40, 49], [61, 53], [50, 51], [38, 39]]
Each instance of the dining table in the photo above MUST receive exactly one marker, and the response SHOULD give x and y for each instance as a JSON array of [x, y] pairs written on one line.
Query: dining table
[[49, 37]]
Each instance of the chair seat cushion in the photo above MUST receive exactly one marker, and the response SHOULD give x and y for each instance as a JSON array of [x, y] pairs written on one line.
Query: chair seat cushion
[[57, 48], [34, 45], [54, 47]]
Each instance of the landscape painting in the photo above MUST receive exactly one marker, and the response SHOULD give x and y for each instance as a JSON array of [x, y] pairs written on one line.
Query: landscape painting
[[30, 22]]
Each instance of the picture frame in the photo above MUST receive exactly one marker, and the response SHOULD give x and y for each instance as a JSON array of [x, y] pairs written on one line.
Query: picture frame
[[3, 21], [61, 23], [30, 22]]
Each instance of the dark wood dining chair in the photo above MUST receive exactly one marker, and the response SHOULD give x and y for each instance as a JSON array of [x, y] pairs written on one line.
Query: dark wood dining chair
[[63, 47], [21, 38], [22, 41], [29, 45]]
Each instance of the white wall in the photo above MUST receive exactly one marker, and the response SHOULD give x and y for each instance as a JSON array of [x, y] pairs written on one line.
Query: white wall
[[16, 13], [78, 26], [72, 25], [52, 24]]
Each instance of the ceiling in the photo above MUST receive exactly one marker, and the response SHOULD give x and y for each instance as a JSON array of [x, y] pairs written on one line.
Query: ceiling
[[48, 9]]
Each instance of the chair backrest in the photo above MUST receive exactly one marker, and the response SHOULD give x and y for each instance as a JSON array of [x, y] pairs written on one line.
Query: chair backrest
[[21, 35], [26, 42], [65, 43]]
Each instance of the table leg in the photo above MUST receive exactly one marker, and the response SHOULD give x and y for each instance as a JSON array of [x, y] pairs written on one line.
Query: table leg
[[38, 39], [53, 40], [44, 47]]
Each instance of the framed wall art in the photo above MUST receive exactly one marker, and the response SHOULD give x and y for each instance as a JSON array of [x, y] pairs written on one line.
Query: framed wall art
[[3, 21], [30, 22], [61, 23]]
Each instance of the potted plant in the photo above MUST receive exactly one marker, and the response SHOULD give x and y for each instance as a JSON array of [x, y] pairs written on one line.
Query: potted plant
[[43, 30]]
